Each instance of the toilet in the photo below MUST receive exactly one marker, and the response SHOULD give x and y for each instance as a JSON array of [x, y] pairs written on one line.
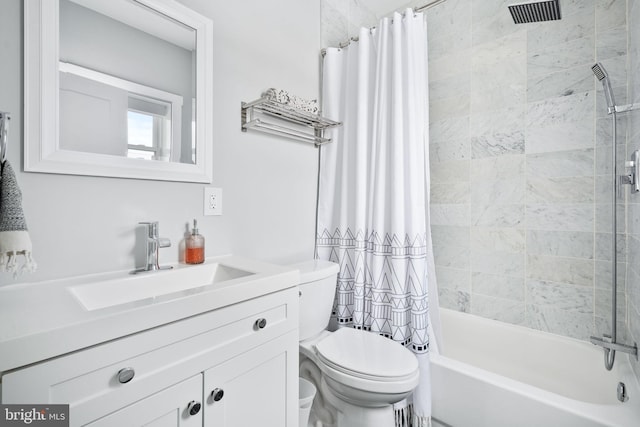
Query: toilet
[[359, 375]]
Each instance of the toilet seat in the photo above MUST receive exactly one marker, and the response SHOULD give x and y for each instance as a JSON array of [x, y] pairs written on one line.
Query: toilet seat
[[367, 361]]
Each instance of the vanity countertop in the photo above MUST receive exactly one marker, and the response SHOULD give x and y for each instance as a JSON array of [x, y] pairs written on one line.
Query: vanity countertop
[[40, 320]]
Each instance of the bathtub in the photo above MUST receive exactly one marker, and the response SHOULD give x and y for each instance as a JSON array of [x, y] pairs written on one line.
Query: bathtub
[[493, 374]]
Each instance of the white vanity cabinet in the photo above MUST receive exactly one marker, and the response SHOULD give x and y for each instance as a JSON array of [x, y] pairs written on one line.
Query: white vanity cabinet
[[239, 363]]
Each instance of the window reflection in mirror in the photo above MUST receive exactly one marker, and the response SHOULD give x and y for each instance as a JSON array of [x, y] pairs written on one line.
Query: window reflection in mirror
[[126, 91], [145, 135]]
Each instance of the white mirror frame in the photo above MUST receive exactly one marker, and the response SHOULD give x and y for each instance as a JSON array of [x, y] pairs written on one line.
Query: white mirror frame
[[42, 152]]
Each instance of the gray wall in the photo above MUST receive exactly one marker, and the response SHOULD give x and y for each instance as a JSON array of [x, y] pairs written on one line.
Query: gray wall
[[82, 225]]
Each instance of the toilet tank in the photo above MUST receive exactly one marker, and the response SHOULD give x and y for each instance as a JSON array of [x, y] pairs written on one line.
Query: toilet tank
[[317, 289]]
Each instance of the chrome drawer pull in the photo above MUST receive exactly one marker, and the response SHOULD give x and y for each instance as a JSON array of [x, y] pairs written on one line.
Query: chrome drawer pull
[[125, 375], [261, 323], [194, 407], [217, 394]]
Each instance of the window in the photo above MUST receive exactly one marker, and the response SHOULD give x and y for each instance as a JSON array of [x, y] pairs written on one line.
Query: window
[[148, 128]]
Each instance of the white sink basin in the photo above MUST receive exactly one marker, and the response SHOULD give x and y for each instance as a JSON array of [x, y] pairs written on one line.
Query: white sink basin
[[135, 287]]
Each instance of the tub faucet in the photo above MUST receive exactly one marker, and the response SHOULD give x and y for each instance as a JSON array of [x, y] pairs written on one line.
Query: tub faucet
[[154, 243]]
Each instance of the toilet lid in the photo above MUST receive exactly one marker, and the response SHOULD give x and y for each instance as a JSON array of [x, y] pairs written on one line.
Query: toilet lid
[[366, 354]]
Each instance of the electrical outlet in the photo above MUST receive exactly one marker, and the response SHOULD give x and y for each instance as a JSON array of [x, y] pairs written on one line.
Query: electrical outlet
[[212, 201]]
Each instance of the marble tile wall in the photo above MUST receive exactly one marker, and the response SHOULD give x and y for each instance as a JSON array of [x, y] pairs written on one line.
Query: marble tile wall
[[522, 230], [520, 152], [342, 20]]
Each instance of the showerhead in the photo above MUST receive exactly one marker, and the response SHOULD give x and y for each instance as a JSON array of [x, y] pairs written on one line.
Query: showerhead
[[601, 74], [599, 71], [525, 13]]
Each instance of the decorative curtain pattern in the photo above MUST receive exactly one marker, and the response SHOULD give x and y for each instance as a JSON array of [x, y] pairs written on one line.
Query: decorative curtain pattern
[[372, 206]]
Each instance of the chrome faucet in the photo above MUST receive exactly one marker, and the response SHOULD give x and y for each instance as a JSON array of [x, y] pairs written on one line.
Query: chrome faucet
[[154, 243]]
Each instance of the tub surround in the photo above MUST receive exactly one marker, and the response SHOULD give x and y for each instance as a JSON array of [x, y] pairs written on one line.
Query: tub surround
[[531, 214], [41, 320]]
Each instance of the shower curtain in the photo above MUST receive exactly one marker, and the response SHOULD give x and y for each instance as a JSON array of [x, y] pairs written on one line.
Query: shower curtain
[[373, 189]]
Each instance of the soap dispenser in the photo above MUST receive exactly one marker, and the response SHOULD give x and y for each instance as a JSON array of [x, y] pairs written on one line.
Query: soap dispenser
[[194, 246]]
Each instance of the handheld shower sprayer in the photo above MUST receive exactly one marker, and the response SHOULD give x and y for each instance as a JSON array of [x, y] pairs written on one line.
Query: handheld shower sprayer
[[609, 342], [601, 74]]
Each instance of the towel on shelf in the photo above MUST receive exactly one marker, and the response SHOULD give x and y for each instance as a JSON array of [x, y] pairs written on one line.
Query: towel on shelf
[[14, 237], [284, 97]]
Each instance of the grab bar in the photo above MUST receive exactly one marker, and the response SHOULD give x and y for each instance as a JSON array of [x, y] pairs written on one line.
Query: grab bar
[[4, 130]]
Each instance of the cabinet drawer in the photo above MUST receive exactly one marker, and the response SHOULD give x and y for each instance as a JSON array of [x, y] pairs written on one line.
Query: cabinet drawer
[[88, 380]]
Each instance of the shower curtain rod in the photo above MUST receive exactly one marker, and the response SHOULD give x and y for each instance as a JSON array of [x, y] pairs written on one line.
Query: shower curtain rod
[[415, 10], [428, 5]]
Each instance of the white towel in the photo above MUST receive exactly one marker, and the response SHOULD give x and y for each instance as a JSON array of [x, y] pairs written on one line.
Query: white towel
[[14, 237], [284, 97]]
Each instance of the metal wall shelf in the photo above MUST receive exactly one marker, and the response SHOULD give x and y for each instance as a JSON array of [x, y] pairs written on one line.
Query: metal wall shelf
[[309, 127]]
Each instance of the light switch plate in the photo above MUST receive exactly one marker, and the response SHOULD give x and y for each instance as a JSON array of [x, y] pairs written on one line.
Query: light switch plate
[[212, 201]]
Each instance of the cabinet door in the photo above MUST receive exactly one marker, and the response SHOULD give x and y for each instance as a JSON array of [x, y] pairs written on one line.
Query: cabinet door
[[257, 388], [167, 408]]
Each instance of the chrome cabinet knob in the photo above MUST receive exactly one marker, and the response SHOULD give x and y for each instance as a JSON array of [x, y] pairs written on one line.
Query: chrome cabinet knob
[[261, 323], [125, 375], [217, 394], [194, 407]]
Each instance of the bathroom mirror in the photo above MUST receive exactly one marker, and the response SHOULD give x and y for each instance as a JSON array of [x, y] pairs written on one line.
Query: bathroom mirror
[[119, 88]]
